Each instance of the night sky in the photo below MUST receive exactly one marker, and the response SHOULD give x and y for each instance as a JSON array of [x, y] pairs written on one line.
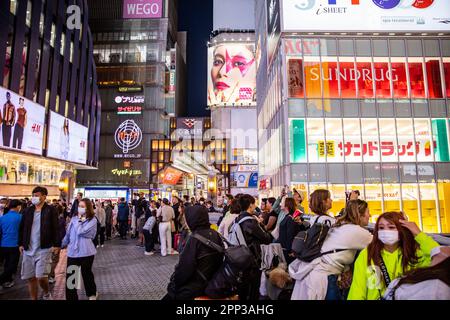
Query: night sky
[[196, 17]]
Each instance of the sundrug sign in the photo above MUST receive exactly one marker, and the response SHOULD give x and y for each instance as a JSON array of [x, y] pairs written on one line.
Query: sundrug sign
[[366, 15], [142, 9]]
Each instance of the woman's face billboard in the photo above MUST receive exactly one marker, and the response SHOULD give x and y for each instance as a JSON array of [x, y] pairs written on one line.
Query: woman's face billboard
[[232, 75]]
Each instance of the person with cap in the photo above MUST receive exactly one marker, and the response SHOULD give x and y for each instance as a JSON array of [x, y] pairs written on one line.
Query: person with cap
[[198, 262], [431, 283]]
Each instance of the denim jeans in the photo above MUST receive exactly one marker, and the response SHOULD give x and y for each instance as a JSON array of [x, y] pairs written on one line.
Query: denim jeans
[[333, 291]]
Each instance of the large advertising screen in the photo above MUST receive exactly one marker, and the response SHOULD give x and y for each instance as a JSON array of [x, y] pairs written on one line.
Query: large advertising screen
[[232, 75], [366, 15], [67, 140], [21, 123]]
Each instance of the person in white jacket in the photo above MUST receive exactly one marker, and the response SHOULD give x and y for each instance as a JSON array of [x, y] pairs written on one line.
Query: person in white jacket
[[312, 279], [430, 283], [235, 210]]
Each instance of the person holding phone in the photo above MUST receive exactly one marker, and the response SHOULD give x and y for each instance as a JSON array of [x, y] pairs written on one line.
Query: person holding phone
[[81, 251]]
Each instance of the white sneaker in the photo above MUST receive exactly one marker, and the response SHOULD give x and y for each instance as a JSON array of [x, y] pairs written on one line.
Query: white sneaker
[[149, 253], [103, 245], [97, 246], [94, 297], [47, 296], [8, 285], [174, 252]]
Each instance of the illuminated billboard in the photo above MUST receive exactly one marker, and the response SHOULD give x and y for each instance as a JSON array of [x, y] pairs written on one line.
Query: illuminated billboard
[[232, 75], [352, 15], [142, 9]]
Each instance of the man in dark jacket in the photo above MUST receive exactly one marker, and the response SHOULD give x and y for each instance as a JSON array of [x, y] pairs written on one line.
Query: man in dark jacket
[[198, 262], [38, 239], [122, 217], [255, 235], [109, 219], [74, 209]]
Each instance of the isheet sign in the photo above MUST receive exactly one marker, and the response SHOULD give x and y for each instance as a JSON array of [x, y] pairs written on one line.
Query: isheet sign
[[142, 9]]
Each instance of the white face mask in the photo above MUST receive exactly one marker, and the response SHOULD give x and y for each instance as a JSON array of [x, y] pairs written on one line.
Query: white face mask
[[388, 237], [35, 200], [82, 211]]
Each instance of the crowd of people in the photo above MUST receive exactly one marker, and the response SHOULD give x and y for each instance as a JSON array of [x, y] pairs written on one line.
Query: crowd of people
[[289, 254]]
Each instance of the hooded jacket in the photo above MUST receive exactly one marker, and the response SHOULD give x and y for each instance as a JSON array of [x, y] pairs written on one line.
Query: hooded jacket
[[123, 212], [197, 261]]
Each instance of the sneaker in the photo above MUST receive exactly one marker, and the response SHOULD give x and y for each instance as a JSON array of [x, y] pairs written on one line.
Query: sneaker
[[103, 245], [47, 296], [51, 280], [8, 285], [149, 253], [97, 246], [174, 252], [94, 297]]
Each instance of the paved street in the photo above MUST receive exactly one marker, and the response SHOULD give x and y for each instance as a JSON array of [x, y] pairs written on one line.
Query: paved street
[[122, 272]]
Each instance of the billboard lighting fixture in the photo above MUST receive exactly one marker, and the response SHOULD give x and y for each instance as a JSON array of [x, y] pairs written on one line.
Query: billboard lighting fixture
[[408, 33], [424, 34]]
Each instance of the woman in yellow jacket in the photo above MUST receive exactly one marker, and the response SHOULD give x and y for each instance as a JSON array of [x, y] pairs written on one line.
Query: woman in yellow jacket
[[397, 246]]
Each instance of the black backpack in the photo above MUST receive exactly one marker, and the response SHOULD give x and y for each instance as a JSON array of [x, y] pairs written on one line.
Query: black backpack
[[308, 244], [237, 262]]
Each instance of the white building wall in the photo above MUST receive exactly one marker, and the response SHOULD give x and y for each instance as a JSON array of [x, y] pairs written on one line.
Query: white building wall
[[234, 14]]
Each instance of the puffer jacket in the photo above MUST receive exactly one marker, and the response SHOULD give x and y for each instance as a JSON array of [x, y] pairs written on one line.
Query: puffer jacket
[[255, 235], [197, 261]]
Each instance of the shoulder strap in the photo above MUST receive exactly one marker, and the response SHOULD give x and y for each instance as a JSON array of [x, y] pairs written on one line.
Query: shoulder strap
[[387, 278], [208, 242], [245, 219]]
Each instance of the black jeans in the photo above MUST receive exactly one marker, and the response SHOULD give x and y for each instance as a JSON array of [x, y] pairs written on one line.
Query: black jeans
[[100, 234], [6, 131], [123, 226], [149, 243], [11, 258], [249, 290], [108, 230], [86, 272], [18, 137]]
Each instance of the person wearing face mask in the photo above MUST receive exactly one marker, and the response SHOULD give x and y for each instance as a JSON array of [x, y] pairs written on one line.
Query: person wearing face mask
[[430, 283], [9, 242], [398, 246], [325, 278], [81, 250], [38, 239]]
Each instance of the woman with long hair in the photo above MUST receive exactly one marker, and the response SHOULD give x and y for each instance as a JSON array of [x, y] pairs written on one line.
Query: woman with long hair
[[288, 229], [430, 283], [397, 247], [81, 251], [325, 277]]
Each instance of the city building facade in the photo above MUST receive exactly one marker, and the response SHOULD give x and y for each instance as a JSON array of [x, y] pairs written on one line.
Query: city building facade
[[351, 104], [50, 107], [137, 52]]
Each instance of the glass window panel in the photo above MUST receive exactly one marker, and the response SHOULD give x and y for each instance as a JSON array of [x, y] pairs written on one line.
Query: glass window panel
[[405, 136], [338, 195], [313, 77], [347, 78], [330, 76], [416, 77], [431, 48], [311, 47], [445, 47], [328, 47], [420, 108], [423, 134], [368, 108], [350, 108], [389, 173], [447, 75], [346, 48], [333, 130], [408, 173], [414, 48], [372, 173], [332, 108], [317, 173], [371, 144], [382, 78], [385, 108], [351, 148], [297, 108], [315, 107], [363, 48], [391, 197], [28, 15], [398, 48], [297, 140], [426, 172], [410, 197], [299, 172], [399, 78], [380, 48], [354, 173], [438, 108], [388, 140], [336, 173], [365, 77], [434, 80], [316, 140], [428, 198], [295, 72], [402, 108], [441, 140], [443, 172]]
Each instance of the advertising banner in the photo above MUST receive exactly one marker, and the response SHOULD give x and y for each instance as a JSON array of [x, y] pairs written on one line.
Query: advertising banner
[[67, 140], [142, 9], [245, 179], [21, 123], [273, 27], [232, 75], [189, 128], [128, 137], [171, 176], [353, 15]]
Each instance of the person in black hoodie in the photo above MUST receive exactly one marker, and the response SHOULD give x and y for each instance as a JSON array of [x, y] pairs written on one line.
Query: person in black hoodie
[[198, 262], [255, 235]]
